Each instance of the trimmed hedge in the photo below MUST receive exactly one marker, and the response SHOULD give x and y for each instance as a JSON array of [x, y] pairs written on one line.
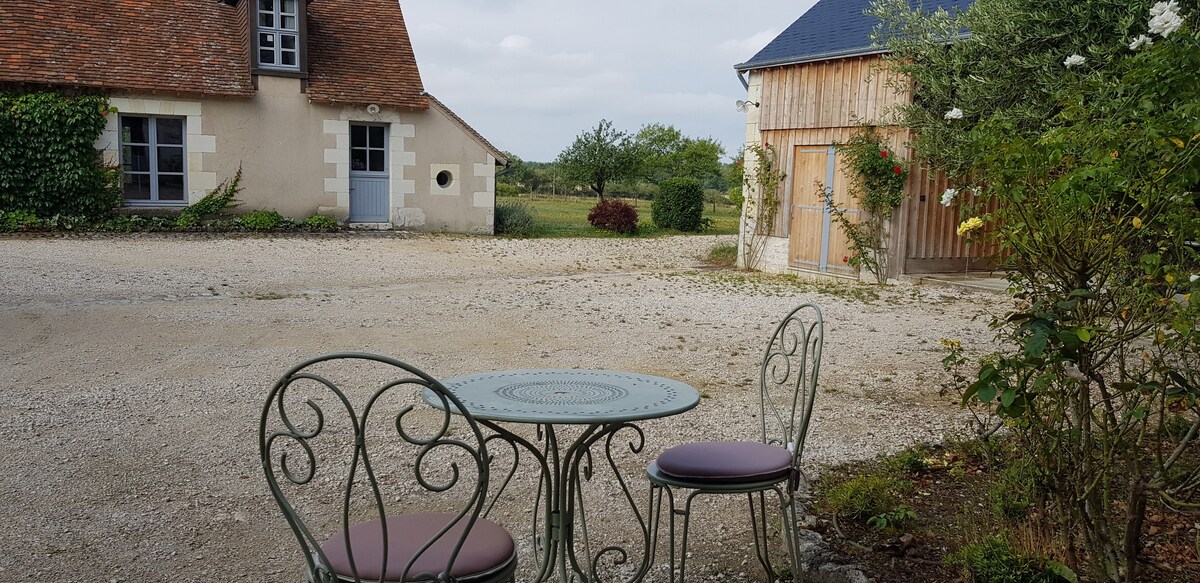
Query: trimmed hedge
[[679, 205], [48, 160]]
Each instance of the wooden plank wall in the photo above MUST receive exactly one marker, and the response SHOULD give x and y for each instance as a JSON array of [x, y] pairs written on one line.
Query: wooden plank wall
[[829, 94], [817, 104], [930, 229]]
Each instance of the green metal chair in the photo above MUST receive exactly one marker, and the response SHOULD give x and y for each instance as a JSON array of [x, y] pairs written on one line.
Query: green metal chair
[[787, 386], [341, 462]]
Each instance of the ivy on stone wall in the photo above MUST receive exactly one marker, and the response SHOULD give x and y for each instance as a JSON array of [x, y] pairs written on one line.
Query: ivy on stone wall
[[48, 160]]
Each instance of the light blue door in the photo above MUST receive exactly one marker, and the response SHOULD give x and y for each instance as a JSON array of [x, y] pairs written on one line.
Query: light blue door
[[369, 192]]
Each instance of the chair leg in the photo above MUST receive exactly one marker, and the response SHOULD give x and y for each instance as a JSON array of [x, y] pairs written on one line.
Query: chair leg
[[687, 517], [787, 511], [758, 527], [656, 524], [654, 515], [674, 511]]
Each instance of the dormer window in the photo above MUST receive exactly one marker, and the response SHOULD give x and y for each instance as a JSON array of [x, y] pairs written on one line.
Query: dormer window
[[277, 34]]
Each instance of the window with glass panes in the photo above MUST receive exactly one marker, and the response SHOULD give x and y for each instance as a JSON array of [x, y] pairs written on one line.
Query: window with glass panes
[[277, 34], [153, 160], [368, 147]]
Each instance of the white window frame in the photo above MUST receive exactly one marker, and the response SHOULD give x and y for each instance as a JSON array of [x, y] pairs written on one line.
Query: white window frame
[[277, 33], [154, 172], [367, 149]]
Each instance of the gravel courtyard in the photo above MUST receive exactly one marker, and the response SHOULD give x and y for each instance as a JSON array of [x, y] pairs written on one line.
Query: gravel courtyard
[[134, 370]]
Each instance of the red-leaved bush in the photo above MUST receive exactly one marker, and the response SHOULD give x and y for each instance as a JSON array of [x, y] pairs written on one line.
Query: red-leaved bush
[[614, 215]]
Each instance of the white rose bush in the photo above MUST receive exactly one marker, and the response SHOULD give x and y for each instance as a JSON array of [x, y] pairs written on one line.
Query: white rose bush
[[1086, 140]]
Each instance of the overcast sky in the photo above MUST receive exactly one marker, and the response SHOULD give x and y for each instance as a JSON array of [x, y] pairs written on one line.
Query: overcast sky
[[530, 75]]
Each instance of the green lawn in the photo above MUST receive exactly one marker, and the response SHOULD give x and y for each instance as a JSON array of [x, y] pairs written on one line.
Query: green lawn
[[562, 216]]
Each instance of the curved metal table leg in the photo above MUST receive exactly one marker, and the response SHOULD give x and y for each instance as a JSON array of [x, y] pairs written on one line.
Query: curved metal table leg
[[559, 501]]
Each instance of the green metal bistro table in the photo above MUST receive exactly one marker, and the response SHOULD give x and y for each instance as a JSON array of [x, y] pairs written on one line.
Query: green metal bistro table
[[602, 403]]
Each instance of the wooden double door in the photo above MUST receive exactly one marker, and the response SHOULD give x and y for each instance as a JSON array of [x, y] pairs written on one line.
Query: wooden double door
[[816, 241]]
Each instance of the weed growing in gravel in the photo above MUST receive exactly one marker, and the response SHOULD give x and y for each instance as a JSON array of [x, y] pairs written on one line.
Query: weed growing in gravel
[[780, 285], [722, 255]]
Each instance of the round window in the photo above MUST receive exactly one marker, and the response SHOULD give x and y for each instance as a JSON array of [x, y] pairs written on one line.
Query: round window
[[444, 178]]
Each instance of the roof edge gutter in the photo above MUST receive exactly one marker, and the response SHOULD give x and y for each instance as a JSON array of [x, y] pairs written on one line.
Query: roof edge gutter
[[743, 67], [858, 52]]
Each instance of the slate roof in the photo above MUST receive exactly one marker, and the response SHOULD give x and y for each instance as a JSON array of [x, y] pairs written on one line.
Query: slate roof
[[358, 52], [831, 29]]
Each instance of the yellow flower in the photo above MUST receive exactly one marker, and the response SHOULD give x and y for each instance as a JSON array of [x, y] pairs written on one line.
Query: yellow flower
[[969, 225], [1170, 278], [1137, 222]]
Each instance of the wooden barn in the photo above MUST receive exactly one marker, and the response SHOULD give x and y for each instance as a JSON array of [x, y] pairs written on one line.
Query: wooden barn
[[809, 89]]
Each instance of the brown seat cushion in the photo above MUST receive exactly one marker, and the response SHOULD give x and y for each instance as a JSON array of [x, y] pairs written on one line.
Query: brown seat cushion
[[488, 547], [726, 462]]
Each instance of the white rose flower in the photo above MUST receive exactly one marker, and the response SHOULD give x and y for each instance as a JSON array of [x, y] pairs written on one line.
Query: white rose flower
[[948, 196], [1141, 41], [1166, 23], [955, 113], [1074, 61], [1161, 8], [1193, 278]]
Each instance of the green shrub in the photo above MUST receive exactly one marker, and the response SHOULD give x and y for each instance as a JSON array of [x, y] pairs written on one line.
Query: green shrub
[[261, 220], [614, 215], [66, 223], [864, 497], [187, 220], [893, 518], [135, 224], [514, 219], [220, 199], [679, 205], [506, 189], [321, 223], [48, 162], [995, 561], [1010, 492], [911, 460], [18, 220], [735, 196], [723, 255]]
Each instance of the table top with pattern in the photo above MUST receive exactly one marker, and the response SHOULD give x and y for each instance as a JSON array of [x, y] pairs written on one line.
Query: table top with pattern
[[570, 396]]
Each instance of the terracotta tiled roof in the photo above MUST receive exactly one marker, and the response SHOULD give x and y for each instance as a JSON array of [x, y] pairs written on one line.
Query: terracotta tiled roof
[[359, 52], [184, 46], [495, 152]]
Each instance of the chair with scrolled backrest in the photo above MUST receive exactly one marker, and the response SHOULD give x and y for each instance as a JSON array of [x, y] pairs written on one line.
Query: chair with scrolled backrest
[[787, 386], [351, 448]]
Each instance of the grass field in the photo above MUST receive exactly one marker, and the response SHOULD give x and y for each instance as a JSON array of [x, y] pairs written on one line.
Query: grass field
[[564, 216]]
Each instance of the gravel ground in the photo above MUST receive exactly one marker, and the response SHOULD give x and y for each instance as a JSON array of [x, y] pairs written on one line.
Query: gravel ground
[[134, 369]]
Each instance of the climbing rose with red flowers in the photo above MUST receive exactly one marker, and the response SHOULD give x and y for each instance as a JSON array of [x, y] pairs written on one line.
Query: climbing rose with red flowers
[[897, 170], [883, 153]]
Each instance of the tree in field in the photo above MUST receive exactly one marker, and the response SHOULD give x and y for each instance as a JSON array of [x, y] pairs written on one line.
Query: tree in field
[[517, 173], [735, 173], [1080, 123], [599, 156], [667, 153]]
